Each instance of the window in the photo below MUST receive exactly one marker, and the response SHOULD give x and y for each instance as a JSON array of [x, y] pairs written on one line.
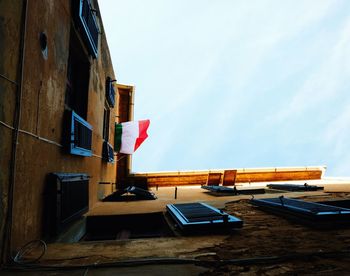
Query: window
[[81, 136], [86, 17], [110, 92], [108, 152], [78, 134], [78, 75], [67, 199], [106, 116]]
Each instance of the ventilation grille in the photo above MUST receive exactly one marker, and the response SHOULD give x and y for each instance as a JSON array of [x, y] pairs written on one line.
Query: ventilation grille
[[67, 200], [194, 212], [301, 206], [201, 216], [74, 193]]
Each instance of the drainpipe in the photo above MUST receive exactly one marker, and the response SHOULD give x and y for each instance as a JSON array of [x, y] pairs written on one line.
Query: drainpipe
[[6, 245], [130, 118]]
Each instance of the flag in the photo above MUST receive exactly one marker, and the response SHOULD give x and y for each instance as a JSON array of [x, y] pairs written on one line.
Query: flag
[[130, 135]]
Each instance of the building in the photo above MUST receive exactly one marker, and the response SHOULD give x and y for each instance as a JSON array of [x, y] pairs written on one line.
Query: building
[[59, 104]]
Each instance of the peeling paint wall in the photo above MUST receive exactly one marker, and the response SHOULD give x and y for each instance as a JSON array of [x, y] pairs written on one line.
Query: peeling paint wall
[[10, 29], [42, 110]]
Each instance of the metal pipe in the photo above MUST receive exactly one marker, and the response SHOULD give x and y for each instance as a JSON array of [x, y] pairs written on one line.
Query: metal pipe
[[130, 118], [7, 237]]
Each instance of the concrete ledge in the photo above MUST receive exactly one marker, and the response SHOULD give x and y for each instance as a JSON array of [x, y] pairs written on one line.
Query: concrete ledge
[[243, 175]]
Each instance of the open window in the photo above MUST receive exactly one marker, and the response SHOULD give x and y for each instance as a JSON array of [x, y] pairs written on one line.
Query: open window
[[78, 133], [110, 92], [80, 136], [85, 15], [107, 150], [106, 122], [78, 76]]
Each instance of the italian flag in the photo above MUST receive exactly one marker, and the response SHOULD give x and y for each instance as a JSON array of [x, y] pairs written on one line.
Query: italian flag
[[130, 135]]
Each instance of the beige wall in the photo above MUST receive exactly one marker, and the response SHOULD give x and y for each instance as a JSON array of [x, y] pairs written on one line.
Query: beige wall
[[10, 33], [42, 109]]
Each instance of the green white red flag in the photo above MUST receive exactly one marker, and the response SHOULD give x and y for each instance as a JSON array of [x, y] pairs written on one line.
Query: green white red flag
[[130, 135]]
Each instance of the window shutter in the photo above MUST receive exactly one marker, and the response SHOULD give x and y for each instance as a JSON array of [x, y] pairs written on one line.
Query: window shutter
[[110, 92], [81, 136], [201, 217], [107, 152], [88, 23]]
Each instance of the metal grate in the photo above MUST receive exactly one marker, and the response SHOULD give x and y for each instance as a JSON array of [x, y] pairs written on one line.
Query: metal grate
[[303, 205], [232, 191], [198, 212], [309, 213], [201, 217], [74, 198], [66, 200]]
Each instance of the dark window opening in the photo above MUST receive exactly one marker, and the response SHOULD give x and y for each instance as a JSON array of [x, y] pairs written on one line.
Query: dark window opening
[[107, 150], [78, 75], [66, 200], [106, 120], [122, 227]]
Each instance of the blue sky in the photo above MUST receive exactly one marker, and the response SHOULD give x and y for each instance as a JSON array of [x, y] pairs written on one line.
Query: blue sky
[[236, 83]]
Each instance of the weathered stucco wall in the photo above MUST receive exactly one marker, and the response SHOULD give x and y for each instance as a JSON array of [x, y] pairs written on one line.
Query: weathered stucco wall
[[10, 33], [42, 110]]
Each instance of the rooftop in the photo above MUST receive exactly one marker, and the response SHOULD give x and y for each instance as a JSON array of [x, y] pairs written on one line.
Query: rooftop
[[267, 244]]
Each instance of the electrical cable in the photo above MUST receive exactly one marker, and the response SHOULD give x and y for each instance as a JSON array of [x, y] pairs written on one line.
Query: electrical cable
[[18, 258], [32, 134], [168, 261], [42, 138], [98, 156], [9, 80]]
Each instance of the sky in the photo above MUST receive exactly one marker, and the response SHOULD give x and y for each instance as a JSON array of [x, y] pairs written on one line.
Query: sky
[[235, 83]]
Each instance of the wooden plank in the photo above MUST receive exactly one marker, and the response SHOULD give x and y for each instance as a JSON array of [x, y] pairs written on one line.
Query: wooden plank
[[213, 179], [229, 178], [278, 176], [163, 180]]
